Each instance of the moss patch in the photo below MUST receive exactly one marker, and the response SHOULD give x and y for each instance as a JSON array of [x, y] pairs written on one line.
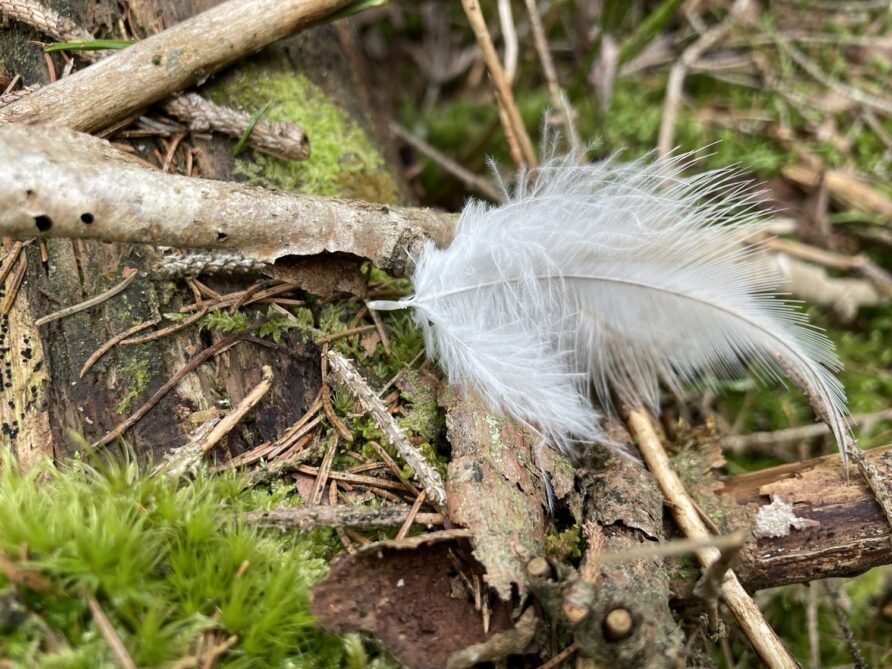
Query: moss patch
[[166, 561], [344, 161]]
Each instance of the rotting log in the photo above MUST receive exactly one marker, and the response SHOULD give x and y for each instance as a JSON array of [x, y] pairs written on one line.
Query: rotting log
[[45, 397]]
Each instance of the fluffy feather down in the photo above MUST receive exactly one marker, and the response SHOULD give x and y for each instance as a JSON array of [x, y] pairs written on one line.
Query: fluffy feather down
[[610, 277]]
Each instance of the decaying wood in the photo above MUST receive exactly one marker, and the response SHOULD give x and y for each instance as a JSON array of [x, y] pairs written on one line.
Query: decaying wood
[[623, 511], [494, 488], [58, 183], [173, 60], [415, 595], [849, 533]]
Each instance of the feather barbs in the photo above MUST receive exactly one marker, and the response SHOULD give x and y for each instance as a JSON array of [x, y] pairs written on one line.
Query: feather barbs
[[610, 278]]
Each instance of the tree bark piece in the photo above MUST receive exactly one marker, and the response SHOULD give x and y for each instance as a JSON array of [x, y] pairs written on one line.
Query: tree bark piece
[[59, 183], [170, 61], [494, 489]]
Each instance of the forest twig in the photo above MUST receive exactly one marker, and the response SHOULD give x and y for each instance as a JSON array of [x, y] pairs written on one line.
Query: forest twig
[[680, 69], [129, 274], [107, 346], [466, 176], [170, 384], [108, 632], [77, 178], [512, 121], [13, 290], [170, 61], [429, 477], [231, 419], [740, 442], [764, 639]]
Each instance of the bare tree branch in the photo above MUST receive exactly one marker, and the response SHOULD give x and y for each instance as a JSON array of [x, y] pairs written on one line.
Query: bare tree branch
[[58, 183], [170, 61]]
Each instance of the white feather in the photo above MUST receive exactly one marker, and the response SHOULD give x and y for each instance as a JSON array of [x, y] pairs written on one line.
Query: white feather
[[614, 278]]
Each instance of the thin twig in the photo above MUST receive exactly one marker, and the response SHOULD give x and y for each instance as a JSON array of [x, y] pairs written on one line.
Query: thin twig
[[9, 261], [110, 635], [163, 332], [315, 496], [344, 333], [14, 286], [844, 627], [509, 37], [429, 477], [872, 102], [466, 176], [233, 417], [744, 441], [129, 274], [412, 517], [512, 121], [758, 631], [679, 71], [306, 518], [333, 418], [358, 479], [107, 346], [560, 104], [556, 660], [171, 383]]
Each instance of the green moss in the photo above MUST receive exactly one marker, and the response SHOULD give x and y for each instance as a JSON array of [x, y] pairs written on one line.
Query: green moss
[[137, 372], [166, 562], [344, 161], [565, 545]]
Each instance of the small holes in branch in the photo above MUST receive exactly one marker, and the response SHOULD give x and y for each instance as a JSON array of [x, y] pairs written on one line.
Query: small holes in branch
[[221, 235], [43, 222], [87, 218]]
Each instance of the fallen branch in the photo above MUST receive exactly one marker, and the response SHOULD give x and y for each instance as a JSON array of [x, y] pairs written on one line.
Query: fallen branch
[[429, 477], [58, 183], [305, 518], [847, 532], [171, 61]]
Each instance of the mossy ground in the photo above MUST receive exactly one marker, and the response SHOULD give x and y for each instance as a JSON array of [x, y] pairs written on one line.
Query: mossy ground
[[167, 560]]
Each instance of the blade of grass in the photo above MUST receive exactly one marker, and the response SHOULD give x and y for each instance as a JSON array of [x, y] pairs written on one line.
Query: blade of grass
[[88, 45], [246, 135]]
